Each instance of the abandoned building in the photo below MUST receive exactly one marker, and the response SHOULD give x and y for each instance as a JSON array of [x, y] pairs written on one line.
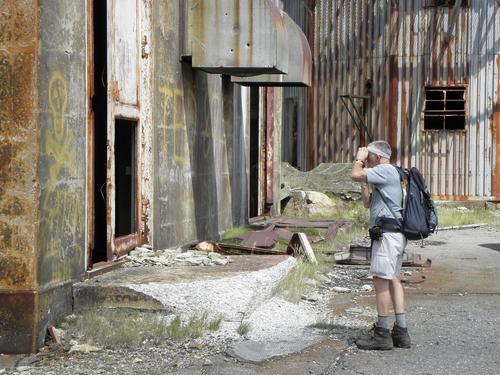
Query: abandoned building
[[421, 74], [121, 125], [126, 122]]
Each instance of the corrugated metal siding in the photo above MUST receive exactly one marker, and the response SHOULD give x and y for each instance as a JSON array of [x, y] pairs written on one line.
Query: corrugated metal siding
[[401, 47], [294, 146]]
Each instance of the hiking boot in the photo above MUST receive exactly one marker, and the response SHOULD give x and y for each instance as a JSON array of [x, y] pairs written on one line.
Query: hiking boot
[[379, 339], [400, 337]]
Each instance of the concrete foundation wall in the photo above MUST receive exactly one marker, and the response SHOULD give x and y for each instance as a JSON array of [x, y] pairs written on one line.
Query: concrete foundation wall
[[196, 138], [62, 168]]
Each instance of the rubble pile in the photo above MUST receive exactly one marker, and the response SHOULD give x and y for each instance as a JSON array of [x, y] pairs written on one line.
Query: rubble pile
[[142, 256]]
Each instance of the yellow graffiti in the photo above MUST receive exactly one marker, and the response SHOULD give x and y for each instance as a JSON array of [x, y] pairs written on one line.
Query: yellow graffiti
[[58, 141], [62, 209], [172, 102]]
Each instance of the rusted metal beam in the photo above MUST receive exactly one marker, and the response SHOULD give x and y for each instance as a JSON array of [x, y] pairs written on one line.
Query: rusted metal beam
[[237, 249]]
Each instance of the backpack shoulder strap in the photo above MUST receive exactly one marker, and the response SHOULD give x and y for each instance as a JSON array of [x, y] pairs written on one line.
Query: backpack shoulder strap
[[387, 204], [418, 179]]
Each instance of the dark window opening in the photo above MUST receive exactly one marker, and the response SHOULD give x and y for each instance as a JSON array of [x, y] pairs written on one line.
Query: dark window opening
[[444, 108], [446, 3], [125, 177], [100, 130]]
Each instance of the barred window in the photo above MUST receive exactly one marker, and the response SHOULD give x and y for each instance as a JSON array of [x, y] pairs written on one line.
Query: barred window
[[444, 108]]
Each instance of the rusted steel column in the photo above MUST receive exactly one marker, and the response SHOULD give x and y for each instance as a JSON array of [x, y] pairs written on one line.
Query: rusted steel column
[[495, 188], [393, 83], [269, 147]]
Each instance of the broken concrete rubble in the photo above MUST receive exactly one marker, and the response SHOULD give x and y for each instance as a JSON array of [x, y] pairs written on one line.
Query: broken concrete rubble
[[306, 203], [142, 256]]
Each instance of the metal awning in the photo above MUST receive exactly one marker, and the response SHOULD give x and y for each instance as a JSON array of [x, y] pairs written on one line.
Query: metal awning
[[236, 37], [299, 62]]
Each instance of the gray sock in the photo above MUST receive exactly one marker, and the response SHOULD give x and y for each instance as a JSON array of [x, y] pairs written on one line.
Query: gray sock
[[383, 322], [401, 320]]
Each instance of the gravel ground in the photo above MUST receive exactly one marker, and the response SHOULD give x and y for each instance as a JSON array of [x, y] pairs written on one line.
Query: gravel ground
[[454, 317], [284, 326]]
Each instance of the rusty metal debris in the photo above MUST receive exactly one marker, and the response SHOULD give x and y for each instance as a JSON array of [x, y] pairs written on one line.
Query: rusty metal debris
[[267, 237], [233, 249], [360, 256]]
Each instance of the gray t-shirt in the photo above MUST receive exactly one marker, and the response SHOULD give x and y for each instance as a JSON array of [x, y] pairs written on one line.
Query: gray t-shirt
[[386, 178]]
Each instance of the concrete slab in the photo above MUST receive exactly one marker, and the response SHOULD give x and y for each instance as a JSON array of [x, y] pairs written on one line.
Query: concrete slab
[[232, 290], [258, 351]]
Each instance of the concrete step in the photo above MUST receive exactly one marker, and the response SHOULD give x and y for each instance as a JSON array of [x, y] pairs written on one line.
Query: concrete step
[[232, 290]]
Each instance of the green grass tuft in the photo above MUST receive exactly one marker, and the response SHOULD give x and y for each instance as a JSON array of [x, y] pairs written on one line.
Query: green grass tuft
[[243, 329], [215, 323], [293, 285], [107, 329]]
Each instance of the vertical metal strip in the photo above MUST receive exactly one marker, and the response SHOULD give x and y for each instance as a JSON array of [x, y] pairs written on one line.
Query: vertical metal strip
[[269, 146], [495, 191], [393, 76]]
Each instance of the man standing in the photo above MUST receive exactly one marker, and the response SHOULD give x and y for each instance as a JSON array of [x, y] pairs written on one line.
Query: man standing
[[388, 243]]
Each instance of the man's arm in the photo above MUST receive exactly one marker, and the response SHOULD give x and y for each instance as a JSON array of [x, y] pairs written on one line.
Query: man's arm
[[358, 174], [365, 195]]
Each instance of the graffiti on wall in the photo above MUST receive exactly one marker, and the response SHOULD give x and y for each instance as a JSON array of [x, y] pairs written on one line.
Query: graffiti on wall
[[62, 209], [173, 103]]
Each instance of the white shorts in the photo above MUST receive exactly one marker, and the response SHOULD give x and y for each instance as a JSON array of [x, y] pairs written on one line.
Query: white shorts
[[387, 255]]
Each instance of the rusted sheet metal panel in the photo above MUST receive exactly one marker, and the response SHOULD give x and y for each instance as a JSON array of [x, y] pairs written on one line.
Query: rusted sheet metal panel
[[299, 62], [18, 144], [404, 48], [237, 37]]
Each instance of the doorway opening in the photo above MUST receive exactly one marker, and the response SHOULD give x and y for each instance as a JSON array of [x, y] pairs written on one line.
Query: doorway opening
[[99, 129], [125, 177], [254, 153]]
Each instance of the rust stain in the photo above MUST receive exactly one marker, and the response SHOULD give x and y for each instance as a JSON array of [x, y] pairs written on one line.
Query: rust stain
[[496, 138], [16, 272], [115, 91], [18, 143], [393, 106], [144, 47]]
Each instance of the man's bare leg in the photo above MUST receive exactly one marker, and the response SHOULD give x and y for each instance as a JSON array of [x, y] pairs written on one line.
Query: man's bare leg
[[383, 298], [398, 301]]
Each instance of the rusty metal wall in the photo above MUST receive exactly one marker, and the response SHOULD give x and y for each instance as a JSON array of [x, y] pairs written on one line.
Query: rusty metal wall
[[295, 99], [400, 47], [42, 172], [18, 172]]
